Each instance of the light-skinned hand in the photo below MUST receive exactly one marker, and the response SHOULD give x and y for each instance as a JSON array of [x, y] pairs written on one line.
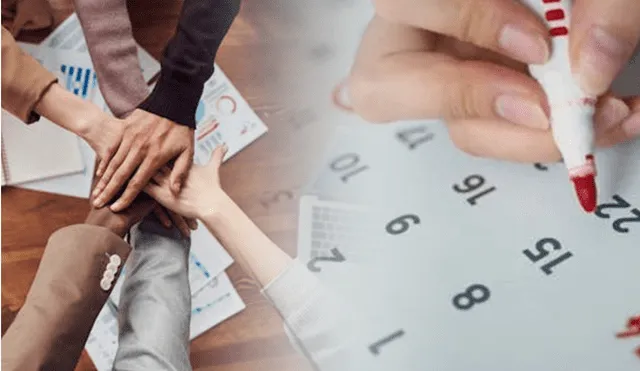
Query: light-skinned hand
[[465, 61], [201, 192]]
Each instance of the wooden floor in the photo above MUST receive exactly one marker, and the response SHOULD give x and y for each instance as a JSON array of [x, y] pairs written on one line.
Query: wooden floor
[[260, 179]]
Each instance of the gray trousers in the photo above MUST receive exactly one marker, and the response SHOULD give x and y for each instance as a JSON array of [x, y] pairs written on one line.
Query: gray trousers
[[155, 304]]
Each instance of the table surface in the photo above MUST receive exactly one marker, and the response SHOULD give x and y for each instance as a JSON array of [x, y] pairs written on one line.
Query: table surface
[[252, 57]]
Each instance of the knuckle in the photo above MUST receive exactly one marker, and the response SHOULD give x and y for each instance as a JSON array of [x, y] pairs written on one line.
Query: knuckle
[[476, 22], [133, 185], [464, 98]]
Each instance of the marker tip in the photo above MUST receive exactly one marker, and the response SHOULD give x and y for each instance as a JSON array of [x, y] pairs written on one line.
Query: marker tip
[[585, 187]]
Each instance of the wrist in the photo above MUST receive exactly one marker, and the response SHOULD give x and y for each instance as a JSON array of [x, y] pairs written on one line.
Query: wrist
[[104, 218], [215, 207], [68, 110]]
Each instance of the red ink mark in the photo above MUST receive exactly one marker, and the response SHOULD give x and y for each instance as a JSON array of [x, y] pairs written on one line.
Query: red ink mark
[[588, 101], [633, 328], [208, 131], [585, 187], [554, 15], [558, 31], [550, 1]]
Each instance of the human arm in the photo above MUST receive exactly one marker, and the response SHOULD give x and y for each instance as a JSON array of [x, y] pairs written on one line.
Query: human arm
[[187, 64], [309, 311], [66, 295], [108, 32], [24, 80]]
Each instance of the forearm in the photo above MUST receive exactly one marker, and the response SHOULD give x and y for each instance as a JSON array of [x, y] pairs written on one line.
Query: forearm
[[67, 110], [245, 242], [309, 311], [108, 32], [24, 80], [188, 60]]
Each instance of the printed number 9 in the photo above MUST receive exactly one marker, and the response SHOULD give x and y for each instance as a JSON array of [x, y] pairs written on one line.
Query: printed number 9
[[400, 224]]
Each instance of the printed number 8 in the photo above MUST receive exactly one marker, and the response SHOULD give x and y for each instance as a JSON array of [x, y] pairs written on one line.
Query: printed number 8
[[466, 300]]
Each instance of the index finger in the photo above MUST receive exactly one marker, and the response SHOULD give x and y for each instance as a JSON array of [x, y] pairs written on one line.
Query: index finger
[[603, 37], [142, 176], [504, 26]]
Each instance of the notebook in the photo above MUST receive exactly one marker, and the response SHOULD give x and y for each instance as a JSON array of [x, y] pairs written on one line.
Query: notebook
[[37, 151]]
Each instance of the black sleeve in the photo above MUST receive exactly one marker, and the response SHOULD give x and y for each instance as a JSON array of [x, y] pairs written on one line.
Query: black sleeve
[[188, 60]]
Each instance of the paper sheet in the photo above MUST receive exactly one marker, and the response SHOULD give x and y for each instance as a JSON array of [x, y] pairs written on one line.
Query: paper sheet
[[37, 151]]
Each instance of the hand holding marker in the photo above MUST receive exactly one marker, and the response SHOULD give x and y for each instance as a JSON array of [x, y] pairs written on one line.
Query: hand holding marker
[[572, 109]]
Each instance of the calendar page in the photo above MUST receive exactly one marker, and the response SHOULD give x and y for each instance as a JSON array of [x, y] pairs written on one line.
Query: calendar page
[[471, 263]]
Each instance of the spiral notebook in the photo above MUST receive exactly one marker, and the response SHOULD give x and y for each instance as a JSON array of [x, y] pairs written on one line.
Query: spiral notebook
[[37, 151]]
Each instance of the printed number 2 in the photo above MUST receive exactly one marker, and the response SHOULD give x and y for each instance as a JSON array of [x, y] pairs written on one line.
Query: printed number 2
[[336, 257]]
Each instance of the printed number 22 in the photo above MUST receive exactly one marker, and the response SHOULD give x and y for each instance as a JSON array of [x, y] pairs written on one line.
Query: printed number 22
[[620, 203]]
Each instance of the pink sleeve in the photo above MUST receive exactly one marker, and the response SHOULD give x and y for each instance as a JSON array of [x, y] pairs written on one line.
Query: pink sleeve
[[113, 50]]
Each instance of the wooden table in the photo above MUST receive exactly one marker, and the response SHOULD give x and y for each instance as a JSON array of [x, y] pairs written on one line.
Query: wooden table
[[260, 179]]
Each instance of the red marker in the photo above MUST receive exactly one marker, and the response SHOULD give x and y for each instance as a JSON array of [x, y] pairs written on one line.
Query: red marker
[[571, 109]]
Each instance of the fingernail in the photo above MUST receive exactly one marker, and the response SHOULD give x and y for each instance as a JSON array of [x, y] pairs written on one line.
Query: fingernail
[[98, 203], [601, 58], [631, 126], [613, 111], [521, 111], [116, 206], [527, 47]]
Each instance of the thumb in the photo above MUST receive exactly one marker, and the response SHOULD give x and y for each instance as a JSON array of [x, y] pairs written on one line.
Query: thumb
[[217, 156], [603, 37], [180, 170]]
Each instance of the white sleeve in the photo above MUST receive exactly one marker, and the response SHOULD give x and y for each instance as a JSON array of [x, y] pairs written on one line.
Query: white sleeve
[[311, 315]]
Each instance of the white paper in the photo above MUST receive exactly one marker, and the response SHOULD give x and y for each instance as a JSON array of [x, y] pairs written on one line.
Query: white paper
[[102, 343], [37, 151], [224, 116], [69, 36], [215, 303]]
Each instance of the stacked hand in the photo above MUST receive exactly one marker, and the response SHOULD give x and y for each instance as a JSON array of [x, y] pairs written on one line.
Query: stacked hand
[[201, 194], [131, 152], [465, 61]]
